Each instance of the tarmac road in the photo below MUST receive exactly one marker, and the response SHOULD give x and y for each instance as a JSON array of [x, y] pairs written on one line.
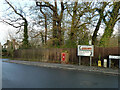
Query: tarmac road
[[25, 76]]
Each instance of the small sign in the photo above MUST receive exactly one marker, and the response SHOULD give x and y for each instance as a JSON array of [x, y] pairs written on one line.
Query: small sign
[[85, 50], [114, 57], [99, 63]]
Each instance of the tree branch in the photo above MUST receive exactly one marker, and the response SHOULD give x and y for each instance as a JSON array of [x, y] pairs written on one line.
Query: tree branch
[[117, 19], [13, 24], [15, 10], [83, 24], [68, 10], [47, 5], [105, 19]]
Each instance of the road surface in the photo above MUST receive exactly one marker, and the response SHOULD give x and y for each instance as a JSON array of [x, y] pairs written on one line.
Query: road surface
[[24, 76]]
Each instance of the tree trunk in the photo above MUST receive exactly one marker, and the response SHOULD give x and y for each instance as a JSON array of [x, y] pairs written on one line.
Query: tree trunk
[[42, 37], [59, 34], [45, 17], [25, 40], [59, 25], [99, 23], [45, 29], [73, 28], [110, 25], [55, 28]]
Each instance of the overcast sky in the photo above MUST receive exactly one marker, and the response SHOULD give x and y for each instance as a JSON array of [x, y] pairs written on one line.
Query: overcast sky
[[4, 28]]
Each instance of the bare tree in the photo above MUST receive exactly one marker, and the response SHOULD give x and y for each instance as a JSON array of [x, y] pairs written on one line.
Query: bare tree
[[101, 17], [56, 18], [114, 16], [45, 17], [18, 22], [79, 13]]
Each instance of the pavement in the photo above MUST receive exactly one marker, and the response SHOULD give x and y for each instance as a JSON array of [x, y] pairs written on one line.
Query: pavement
[[67, 66]]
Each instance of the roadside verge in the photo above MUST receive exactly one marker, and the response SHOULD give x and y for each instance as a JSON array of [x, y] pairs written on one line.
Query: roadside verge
[[67, 66]]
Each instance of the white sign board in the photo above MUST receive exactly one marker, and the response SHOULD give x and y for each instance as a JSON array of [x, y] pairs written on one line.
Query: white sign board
[[114, 57], [85, 50]]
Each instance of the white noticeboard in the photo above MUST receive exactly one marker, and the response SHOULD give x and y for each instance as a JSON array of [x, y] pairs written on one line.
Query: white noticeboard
[[114, 57], [85, 50]]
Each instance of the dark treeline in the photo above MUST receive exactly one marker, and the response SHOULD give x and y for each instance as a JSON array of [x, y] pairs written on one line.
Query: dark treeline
[[64, 24]]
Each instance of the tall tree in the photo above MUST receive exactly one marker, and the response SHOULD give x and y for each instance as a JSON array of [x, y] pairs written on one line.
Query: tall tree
[[110, 23], [79, 13], [73, 24], [17, 22], [45, 17], [56, 18], [101, 17]]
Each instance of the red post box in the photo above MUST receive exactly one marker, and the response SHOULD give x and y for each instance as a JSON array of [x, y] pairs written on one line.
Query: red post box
[[63, 56]]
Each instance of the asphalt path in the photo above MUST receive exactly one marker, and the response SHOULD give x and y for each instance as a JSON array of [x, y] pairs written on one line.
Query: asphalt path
[[25, 76]]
